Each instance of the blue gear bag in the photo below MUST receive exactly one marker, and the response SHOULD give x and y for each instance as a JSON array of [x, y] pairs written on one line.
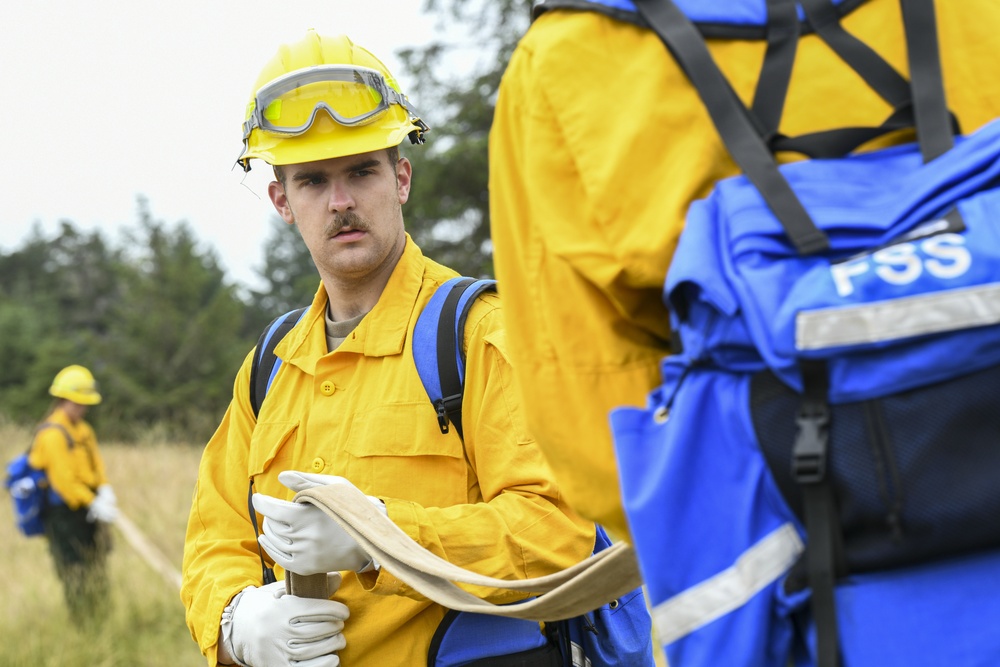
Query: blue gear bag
[[29, 489], [813, 481]]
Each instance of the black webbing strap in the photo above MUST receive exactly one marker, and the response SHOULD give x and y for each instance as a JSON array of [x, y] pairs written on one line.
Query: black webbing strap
[[449, 374], [266, 573], [263, 363], [918, 103], [889, 84], [776, 71], [824, 548], [733, 122], [936, 126]]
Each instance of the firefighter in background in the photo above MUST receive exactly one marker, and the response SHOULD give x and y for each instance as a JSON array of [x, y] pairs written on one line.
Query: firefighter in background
[[81, 503]]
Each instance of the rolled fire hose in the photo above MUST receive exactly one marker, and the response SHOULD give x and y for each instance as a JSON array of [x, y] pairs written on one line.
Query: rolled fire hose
[[572, 592]]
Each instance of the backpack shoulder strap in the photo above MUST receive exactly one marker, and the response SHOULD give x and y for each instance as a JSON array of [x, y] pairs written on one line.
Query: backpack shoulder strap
[[59, 427], [438, 349], [265, 363]]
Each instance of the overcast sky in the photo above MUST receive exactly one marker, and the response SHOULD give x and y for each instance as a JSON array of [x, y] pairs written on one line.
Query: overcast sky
[[103, 101]]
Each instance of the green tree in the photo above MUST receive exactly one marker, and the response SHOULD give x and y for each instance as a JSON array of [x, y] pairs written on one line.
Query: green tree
[[288, 273], [56, 303], [456, 83], [178, 339]]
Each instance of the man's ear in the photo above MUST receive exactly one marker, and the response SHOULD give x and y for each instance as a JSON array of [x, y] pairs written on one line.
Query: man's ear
[[404, 171], [276, 191]]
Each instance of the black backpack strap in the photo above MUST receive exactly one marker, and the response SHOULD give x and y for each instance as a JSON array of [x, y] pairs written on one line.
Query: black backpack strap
[[776, 72], [262, 370], [59, 427], [738, 129], [751, 140], [450, 339], [936, 126], [264, 360], [825, 560], [438, 346]]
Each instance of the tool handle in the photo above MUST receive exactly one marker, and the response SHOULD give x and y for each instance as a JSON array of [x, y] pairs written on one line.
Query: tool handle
[[307, 586]]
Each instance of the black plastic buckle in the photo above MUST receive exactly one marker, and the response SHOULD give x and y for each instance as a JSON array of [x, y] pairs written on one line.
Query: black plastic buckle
[[442, 414], [810, 451]]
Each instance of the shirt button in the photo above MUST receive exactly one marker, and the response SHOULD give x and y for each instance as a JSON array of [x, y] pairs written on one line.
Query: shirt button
[[318, 464], [327, 388]]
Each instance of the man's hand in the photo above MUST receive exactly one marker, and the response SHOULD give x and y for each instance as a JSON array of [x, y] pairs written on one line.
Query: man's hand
[[102, 508], [301, 538], [106, 491], [264, 626]]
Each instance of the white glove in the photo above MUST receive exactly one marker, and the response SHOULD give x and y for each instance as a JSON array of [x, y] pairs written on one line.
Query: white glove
[[109, 493], [264, 626], [301, 538], [102, 509]]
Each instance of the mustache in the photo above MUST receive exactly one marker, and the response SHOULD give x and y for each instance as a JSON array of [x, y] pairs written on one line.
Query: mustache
[[347, 220]]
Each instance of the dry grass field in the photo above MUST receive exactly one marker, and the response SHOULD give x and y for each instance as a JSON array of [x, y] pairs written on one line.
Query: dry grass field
[[153, 481]]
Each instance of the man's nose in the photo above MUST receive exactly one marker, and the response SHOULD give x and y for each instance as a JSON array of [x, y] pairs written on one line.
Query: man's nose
[[341, 199]]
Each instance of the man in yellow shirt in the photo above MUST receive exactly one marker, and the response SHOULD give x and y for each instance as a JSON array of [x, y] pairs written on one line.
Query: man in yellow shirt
[[598, 147], [348, 407]]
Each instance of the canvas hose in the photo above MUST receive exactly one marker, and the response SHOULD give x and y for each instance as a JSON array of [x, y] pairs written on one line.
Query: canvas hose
[[572, 592]]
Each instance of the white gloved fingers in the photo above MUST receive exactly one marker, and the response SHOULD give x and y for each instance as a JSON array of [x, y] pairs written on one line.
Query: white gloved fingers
[[280, 532], [109, 493], [322, 647], [268, 627], [332, 660], [283, 511], [320, 639], [102, 509], [281, 557], [303, 539], [300, 481]]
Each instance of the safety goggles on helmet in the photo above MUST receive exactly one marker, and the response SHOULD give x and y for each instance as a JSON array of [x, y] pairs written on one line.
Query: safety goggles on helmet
[[352, 96]]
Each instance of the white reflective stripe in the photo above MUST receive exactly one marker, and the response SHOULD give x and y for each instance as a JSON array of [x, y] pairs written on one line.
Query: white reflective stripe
[[880, 321], [756, 567], [579, 659]]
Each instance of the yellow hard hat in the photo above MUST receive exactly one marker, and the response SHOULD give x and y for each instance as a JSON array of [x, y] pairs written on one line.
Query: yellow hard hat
[[77, 384], [325, 97]]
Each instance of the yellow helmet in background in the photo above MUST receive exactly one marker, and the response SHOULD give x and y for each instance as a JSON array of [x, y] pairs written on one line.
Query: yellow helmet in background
[[325, 97], [75, 383]]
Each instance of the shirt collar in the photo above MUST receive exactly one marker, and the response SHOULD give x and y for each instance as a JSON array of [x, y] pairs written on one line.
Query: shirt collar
[[382, 332]]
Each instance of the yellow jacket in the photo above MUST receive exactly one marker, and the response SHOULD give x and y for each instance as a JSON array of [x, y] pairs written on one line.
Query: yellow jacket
[[598, 146], [361, 412], [73, 473]]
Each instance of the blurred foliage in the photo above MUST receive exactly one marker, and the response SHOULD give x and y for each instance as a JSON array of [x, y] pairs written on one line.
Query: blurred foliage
[[289, 274], [153, 315], [456, 80]]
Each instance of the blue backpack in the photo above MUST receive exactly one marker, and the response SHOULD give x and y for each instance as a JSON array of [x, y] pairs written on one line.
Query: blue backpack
[[814, 482], [29, 488], [617, 634]]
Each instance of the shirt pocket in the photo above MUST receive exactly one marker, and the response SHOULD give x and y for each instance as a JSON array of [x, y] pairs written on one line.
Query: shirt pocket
[[398, 451], [272, 449]]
